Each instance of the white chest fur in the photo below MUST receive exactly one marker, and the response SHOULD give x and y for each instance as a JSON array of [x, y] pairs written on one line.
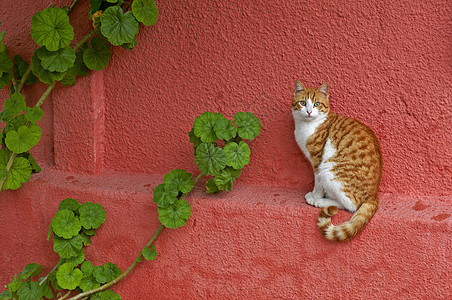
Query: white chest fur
[[304, 129]]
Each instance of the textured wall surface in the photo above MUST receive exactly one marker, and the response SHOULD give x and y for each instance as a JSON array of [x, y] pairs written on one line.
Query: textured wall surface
[[389, 64]]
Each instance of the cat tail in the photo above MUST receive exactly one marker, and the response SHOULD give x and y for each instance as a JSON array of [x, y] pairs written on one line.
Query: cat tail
[[350, 228]]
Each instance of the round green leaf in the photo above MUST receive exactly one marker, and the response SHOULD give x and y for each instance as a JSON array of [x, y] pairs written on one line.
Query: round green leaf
[[19, 173], [50, 28], [87, 267], [65, 224], [145, 11], [69, 204], [203, 127], [68, 277], [23, 139], [5, 62], [181, 178], [15, 104], [165, 194], [56, 61], [175, 215], [33, 114], [225, 179], [224, 129], [149, 253], [88, 282], [44, 75], [30, 290], [248, 126], [92, 215], [212, 187], [117, 27], [210, 159], [98, 56], [5, 79], [106, 273], [105, 295], [68, 248], [237, 155]]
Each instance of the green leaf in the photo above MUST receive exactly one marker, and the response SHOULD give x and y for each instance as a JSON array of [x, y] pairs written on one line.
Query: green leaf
[[88, 282], [210, 159], [87, 267], [30, 290], [50, 28], [6, 116], [69, 204], [98, 56], [15, 104], [149, 253], [15, 284], [248, 126], [44, 75], [196, 141], [165, 194], [89, 232], [68, 277], [203, 127], [33, 114], [94, 6], [16, 123], [30, 270], [65, 224], [5, 79], [92, 215], [78, 69], [225, 179], [117, 27], [181, 178], [23, 139], [212, 187], [86, 238], [112, 1], [68, 248], [105, 295], [106, 273], [19, 173], [224, 129], [19, 69], [175, 215], [5, 295], [75, 260], [145, 11], [237, 155], [56, 61], [5, 62], [47, 291]]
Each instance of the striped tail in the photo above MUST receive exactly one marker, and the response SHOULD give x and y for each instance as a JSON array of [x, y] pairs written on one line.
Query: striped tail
[[350, 228]]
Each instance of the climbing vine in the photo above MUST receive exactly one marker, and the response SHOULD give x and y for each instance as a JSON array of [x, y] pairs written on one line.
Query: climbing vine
[[115, 22], [74, 224]]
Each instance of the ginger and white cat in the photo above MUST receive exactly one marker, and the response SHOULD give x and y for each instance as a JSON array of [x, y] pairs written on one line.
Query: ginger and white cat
[[346, 158]]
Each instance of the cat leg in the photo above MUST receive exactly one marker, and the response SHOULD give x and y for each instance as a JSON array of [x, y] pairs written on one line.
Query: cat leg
[[319, 197]]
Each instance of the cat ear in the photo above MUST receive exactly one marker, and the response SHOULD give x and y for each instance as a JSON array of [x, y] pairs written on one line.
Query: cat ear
[[298, 88], [324, 88]]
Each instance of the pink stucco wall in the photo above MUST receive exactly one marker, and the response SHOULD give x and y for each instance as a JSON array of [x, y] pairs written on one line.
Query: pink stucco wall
[[389, 64]]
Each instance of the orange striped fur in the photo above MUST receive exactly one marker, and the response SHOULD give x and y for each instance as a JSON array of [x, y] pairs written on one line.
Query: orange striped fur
[[346, 158]]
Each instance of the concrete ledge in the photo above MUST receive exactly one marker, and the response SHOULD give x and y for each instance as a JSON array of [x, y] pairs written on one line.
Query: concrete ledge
[[255, 242]]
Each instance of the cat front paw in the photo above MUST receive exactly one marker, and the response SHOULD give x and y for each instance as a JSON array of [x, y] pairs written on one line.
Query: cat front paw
[[310, 198]]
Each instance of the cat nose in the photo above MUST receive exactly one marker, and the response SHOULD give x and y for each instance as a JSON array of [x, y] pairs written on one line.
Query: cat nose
[[309, 112]]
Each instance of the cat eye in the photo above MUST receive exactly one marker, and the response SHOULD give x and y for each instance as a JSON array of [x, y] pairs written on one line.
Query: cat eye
[[317, 104], [302, 103]]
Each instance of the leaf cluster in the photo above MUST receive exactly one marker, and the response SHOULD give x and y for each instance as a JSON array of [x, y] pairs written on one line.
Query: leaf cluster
[[209, 131], [72, 226], [116, 22]]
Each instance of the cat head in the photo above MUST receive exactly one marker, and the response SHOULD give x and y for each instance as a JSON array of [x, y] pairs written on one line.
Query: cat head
[[309, 104]]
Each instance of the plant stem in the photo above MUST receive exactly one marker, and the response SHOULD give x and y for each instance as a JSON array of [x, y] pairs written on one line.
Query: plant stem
[[65, 296], [129, 269], [84, 39], [71, 8], [22, 80]]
